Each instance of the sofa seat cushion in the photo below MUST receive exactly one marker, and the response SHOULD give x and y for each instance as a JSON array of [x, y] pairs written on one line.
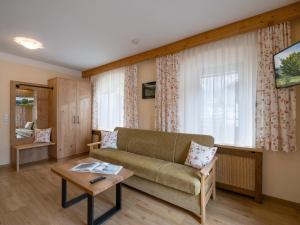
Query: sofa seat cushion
[[179, 177], [143, 166], [173, 175]]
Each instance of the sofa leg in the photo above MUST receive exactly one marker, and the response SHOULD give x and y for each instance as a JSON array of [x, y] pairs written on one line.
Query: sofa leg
[[202, 200], [203, 216], [214, 183], [214, 193]]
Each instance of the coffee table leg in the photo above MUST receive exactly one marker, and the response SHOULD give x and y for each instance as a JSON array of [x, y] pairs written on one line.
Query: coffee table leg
[[64, 202], [90, 210], [101, 219], [90, 207], [118, 196], [63, 193]]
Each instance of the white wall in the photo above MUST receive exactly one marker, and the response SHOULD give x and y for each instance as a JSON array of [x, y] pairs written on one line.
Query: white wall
[[146, 73], [10, 70]]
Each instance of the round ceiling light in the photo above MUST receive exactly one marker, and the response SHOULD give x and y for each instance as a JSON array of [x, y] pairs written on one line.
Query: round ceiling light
[[28, 42]]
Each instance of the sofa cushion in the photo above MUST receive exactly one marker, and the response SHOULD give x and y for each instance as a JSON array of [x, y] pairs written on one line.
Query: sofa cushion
[[200, 155], [109, 139], [179, 177], [142, 166]]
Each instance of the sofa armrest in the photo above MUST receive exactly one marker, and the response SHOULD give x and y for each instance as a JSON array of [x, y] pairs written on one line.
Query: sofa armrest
[[91, 145], [206, 170]]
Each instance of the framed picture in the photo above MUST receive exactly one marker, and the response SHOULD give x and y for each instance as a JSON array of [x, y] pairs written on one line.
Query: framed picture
[[149, 90], [287, 66]]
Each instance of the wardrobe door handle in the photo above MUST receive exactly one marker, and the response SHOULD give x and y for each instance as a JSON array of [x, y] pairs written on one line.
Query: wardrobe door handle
[[78, 119]]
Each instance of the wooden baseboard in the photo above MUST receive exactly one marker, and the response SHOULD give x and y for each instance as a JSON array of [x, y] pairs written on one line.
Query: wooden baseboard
[[73, 156], [5, 165], [282, 201], [24, 165]]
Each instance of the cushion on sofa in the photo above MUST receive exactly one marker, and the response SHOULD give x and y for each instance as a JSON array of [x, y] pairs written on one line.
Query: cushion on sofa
[[177, 176], [183, 144], [200, 155], [109, 139]]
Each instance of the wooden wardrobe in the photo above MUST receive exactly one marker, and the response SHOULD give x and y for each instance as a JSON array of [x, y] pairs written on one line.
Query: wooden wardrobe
[[70, 116]]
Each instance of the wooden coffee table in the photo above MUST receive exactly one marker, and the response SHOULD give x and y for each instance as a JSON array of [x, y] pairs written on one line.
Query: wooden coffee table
[[81, 180]]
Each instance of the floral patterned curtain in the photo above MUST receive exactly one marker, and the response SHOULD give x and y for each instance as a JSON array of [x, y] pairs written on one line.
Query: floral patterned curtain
[[275, 108], [166, 94], [130, 97]]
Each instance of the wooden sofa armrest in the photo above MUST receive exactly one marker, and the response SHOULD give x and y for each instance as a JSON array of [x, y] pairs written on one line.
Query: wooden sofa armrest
[[91, 145], [208, 182], [206, 170]]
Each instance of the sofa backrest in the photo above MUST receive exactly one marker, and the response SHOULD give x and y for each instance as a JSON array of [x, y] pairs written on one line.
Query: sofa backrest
[[167, 146], [154, 144]]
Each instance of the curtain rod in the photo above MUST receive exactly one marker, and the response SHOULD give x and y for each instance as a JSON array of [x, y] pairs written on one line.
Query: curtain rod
[[31, 85]]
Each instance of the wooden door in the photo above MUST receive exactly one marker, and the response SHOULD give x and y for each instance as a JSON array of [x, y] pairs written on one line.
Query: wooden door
[[83, 118], [66, 117]]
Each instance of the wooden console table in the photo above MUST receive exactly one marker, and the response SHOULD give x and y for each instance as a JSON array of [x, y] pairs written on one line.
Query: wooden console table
[[19, 148]]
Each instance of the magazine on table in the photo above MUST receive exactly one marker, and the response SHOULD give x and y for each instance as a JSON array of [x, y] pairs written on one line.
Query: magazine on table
[[97, 167]]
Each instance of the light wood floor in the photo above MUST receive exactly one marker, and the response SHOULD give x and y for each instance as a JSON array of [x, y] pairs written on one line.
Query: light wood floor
[[32, 197]]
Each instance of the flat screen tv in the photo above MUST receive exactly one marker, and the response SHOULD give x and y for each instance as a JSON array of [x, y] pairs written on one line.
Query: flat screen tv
[[287, 66]]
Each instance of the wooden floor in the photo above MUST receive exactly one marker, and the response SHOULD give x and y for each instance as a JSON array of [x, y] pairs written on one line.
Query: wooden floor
[[32, 197]]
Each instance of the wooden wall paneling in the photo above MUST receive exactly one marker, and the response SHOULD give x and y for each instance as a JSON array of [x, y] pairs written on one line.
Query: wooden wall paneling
[[250, 24], [52, 109], [42, 108], [12, 127], [83, 117]]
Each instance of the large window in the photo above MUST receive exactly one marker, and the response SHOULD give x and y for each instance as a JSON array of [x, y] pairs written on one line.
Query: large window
[[217, 90], [108, 99]]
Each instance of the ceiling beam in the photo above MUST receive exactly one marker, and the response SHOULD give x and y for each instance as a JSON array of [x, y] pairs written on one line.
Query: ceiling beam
[[276, 16]]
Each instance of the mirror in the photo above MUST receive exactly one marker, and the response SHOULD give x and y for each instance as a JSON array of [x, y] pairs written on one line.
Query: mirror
[[26, 112]]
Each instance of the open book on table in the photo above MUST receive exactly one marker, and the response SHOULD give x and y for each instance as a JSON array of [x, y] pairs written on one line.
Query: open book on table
[[97, 167]]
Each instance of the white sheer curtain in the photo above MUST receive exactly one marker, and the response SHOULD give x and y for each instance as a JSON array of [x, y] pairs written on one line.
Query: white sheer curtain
[[217, 90], [108, 99]]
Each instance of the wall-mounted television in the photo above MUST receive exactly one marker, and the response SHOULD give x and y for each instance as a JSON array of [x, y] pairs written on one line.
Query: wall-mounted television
[[287, 66]]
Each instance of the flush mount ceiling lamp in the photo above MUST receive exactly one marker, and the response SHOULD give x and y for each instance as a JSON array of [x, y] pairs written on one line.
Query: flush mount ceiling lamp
[[28, 42]]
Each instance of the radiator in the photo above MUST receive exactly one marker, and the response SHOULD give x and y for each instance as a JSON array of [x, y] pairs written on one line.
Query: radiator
[[240, 170]]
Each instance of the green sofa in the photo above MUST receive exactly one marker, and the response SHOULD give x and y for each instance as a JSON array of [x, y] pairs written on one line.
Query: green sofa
[[157, 159]]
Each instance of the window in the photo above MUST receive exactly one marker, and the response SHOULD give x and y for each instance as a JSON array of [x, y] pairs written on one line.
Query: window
[[217, 90], [108, 99]]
